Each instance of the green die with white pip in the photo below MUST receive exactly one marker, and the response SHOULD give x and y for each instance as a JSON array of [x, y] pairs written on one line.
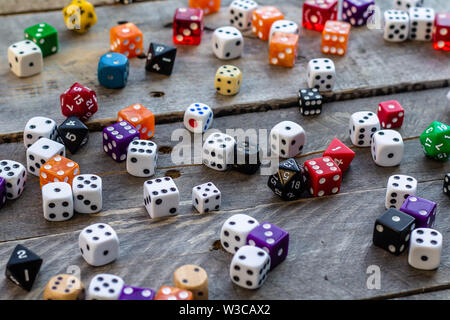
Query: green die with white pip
[[45, 36]]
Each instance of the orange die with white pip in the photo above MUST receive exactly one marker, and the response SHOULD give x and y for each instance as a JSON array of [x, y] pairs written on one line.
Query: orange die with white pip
[[324, 176], [262, 21], [172, 293], [335, 37], [141, 118], [127, 39], [58, 169], [208, 6], [283, 49]]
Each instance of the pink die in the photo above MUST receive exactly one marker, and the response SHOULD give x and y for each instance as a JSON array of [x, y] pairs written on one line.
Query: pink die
[[188, 26], [391, 114]]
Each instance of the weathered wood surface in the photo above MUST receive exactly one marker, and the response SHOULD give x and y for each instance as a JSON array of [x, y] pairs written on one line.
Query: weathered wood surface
[[371, 67]]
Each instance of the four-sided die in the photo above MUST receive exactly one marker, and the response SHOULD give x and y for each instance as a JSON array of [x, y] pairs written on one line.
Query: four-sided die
[[57, 201], [161, 197], [233, 234], [98, 244], [249, 267]]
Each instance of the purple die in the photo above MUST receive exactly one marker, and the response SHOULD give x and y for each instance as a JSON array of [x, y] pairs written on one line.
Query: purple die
[[272, 239], [2, 191], [357, 12], [422, 209], [135, 293], [116, 139]]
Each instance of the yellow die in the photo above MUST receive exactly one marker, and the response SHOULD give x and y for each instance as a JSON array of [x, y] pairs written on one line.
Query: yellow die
[[79, 16], [193, 278], [228, 80], [64, 287]]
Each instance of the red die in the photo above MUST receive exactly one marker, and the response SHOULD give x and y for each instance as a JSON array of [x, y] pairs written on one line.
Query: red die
[[188, 26], [391, 114], [324, 176], [441, 32], [317, 12], [340, 153], [79, 101]]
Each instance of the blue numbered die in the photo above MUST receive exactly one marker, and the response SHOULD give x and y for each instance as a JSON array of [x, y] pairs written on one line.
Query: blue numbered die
[[198, 117], [113, 70]]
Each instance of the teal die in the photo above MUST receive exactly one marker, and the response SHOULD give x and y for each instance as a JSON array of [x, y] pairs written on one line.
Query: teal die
[[45, 36], [113, 70]]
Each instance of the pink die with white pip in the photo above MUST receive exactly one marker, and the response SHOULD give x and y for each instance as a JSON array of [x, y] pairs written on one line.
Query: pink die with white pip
[[324, 176], [391, 114]]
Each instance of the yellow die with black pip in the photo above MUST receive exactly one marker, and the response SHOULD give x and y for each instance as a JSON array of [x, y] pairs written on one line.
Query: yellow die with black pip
[[64, 287], [79, 16], [228, 80]]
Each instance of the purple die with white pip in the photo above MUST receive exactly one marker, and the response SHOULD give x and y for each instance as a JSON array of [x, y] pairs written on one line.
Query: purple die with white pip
[[357, 12], [116, 139], [272, 239], [2, 191], [423, 210], [135, 293]]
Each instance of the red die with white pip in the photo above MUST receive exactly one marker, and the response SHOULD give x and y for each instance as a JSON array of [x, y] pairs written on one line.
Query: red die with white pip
[[79, 101], [188, 26], [317, 12], [324, 176], [391, 114], [340, 153], [441, 32]]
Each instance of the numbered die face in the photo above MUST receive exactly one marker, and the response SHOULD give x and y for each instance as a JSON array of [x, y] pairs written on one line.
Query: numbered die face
[[396, 27], [23, 266], [127, 39], [362, 127], [249, 267], [39, 127], [105, 287], [284, 26], [289, 182], [206, 197], [425, 249], [98, 244], [391, 114], [357, 12], [79, 101], [405, 5], [64, 287], [40, 152], [262, 21], [218, 151], [423, 210], [87, 193], [116, 139], [340, 153], [15, 176], [324, 176], [240, 13], [227, 43], [435, 141], [310, 102], [25, 58], [421, 23], [228, 80], [57, 201], [188, 26], [321, 74], [193, 278], [161, 197], [135, 293], [161, 58], [198, 117], [399, 187], [73, 133], [387, 148], [317, 12], [45, 36], [233, 234], [287, 139], [113, 70], [141, 118], [142, 156], [58, 169]]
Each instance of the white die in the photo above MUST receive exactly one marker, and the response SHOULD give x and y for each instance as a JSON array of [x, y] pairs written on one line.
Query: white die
[[287, 139], [161, 197], [249, 267], [321, 74], [40, 152], [240, 13], [98, 244], [396, 26], [57, 201], [198, 117], [39, 127], [387, 148], [15, 175], [399, 187], [425, 249], [421, 23], [233, 234], [25, 58], [218, 151], [405, 5], [206, 197], [227, 43], [87, 193], [105, 287], [362, 126], [142, 156], [285, 26]]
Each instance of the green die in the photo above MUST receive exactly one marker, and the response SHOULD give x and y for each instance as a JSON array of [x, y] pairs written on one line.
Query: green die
[[45, 36], [435, 141]]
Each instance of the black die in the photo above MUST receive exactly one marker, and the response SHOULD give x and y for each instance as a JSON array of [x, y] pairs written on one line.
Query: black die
[[310, 102], [160, 58], [446, 188], [23, 267], [73, 133], [246, 157], [290, 180]]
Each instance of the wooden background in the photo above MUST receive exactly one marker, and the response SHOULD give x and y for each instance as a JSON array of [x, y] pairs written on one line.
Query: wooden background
[[331, 245]]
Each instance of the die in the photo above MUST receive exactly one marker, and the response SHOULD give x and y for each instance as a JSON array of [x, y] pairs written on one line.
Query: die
[[321, 74], [289, 182], [357, 12], [172, 293], [58, 169], [188, 26], [272, 239], [2, 192], [73, 134], [249, 267], [87, 193], [324, 176], [399, 187], [45, 36], [284, 26], [446, 187], [160, 58], [317, 12], [161, 197], [141, 118], [116, 139], [392, 231], [25, 59], [310, 101], [362, 127], [142, 156], [124, 1], [423, 210], [425, 249], [40, 152], [228, 80], [235, 230], [113, 70], [135, 293], [240, 13], [57, 201], [287, 139], [38, 127], [198, 117], [387, 148], [262, 20], [79, 101], [335, 37], [247, 157], [218, 151], [435, 141], [441, 32], [227, 43], [391, 114], [208, 6], [283, 49], [126, 39], [99, 244], [105, 287], [15, 176], [396, 28], [64, 287], [340, 153], [421, 23], [23, 267], [206, 197], [405, 5], [79, 16], [193, 278]]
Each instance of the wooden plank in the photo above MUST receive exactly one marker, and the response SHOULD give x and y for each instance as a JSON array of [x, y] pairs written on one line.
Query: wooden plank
[[371, 67], [434, 295]]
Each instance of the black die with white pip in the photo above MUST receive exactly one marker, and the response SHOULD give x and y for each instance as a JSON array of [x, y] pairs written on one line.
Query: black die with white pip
[[396, 26], [249, 267], [161, 197], [206, 197], [142, 156], [40, 152], [87, 193], [161, 58], [240, 13], [310, 102], [39, 127], [15, 175], [362, 127], [321, 74]]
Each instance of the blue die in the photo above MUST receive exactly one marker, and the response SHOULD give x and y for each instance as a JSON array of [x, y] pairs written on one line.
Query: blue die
[[113, 69]]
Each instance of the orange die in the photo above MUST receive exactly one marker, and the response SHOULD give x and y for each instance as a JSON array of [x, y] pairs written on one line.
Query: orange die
[[172, 293], [141, 118], [335, 37], [283, 49], [126, 39], [208, 6], [58, 169], [262, 20]]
